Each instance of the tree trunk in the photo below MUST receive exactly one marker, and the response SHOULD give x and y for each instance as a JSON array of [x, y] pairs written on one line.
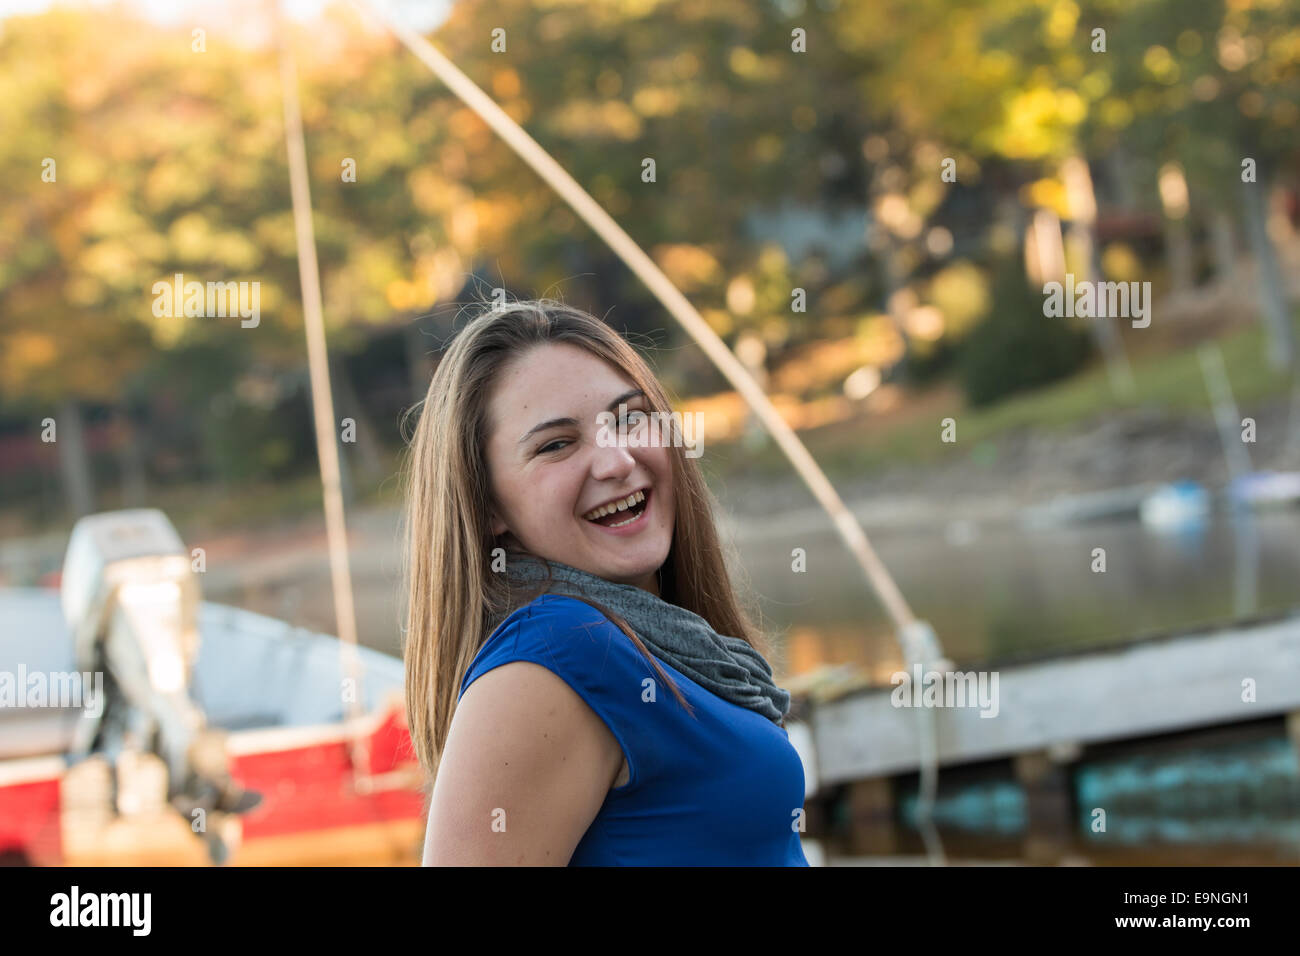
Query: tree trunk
[[364, 452], [1121, 173], [131, 463], [1179, 256], [1104, 328], [1223, 245], [1268, 276], [74, 459], [419, 367]]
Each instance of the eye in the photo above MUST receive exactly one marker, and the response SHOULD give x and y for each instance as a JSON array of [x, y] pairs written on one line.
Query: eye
[[548, 445], [635, 418]]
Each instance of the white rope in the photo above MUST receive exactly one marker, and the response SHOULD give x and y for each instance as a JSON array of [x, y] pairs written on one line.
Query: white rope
[[321, 396]]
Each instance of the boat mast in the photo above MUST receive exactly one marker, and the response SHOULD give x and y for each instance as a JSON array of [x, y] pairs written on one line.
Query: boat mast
[[322, 398]]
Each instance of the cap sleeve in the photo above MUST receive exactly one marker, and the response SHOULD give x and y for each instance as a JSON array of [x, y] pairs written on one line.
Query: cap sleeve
[[586, 650]]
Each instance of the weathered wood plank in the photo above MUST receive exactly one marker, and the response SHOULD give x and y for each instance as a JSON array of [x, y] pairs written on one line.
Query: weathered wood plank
[[1160, 686]]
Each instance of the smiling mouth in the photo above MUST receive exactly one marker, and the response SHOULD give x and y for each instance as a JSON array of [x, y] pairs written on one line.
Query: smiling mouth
[[610, 515]]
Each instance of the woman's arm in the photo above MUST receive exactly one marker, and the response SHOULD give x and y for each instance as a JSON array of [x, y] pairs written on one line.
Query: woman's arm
[[525, 770]]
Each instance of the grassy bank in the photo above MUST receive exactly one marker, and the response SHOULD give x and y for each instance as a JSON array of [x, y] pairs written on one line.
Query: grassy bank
[[1169, 382]]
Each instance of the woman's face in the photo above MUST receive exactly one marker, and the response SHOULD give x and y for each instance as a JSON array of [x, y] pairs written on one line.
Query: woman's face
[[545, 480]]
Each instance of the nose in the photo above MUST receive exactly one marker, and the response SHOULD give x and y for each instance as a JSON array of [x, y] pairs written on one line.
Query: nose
[[611, 463]]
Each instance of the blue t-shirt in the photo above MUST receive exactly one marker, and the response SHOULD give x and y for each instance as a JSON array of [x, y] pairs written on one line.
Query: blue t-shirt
[[725, 788]]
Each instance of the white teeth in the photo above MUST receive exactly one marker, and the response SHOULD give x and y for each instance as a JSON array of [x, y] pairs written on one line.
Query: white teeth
[[635, 498]]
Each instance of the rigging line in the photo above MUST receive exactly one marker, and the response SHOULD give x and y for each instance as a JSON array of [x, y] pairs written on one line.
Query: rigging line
[[322, 398], [671, 298]]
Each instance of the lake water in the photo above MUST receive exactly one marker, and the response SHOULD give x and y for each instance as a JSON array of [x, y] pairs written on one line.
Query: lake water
[[996, 592]]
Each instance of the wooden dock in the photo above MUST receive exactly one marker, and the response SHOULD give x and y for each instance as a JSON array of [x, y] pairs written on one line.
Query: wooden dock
[[1052, 711], [1057, 704]]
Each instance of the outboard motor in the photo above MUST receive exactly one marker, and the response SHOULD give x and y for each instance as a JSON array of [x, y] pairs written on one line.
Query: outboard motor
[[131, 602]]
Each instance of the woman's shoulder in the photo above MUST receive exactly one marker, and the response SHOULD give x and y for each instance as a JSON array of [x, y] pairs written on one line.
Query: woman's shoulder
[[556, 630]]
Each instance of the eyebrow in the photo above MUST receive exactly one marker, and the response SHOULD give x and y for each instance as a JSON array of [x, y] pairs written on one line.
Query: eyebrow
[[557, 422]]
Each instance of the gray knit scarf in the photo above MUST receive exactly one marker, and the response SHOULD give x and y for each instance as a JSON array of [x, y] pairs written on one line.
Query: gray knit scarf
[[727, 666]]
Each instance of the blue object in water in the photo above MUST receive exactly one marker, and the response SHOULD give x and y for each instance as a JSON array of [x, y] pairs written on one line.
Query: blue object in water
[[1177, 505]]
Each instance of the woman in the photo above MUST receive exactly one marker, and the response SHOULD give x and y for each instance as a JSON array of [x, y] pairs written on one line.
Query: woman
[[560, 578]]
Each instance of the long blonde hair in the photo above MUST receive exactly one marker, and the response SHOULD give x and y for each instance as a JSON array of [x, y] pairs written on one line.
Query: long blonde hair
[[453, 597]]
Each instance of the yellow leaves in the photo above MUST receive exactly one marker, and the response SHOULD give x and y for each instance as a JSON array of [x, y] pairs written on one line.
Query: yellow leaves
[[1116, 113], [879, 341], [772, 259], [1095, 85], [463, 226], [748, 65], [168, 330], [994, 67], [465, 127], [740, 295], [495, 217], [26, 352], [505, 83], [1189, 43], [386, 147], [1071, 107], [191, 237], [1173, 190], [112, 262], [234, 251], [925, 322], [686, 65], [587, 119], [609, 83], [1234, 50], [1049, 193], [961, 292], [171, 183], [1205, 88], [429, 191], [656, 101], [274, 232], [896, 213], [767, 147], [1059, 27], [1160, 64], [1120, 263], [83, 290], [403, 295], [109, 213], [1039, 121], [518, 110], [438, 276], [687, 266], [719, 320]]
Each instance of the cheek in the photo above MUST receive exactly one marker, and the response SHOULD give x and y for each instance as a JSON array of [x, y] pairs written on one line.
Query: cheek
[[663, 470]]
